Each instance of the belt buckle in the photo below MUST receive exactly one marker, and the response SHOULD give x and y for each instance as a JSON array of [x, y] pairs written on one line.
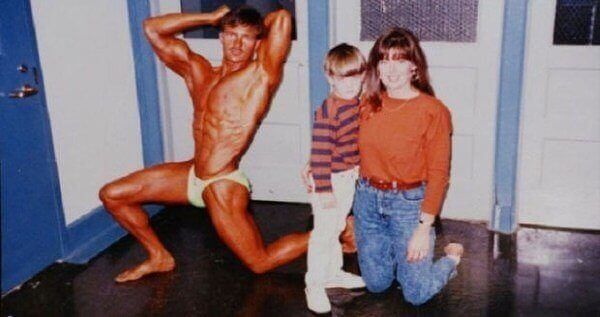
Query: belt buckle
[[394, 185]]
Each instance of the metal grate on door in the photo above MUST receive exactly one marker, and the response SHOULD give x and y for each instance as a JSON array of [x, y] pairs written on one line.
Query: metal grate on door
[[430, 20]]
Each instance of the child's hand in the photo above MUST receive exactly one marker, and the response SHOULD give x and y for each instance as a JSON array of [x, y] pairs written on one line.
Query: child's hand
[[306, 178], [327, 200]]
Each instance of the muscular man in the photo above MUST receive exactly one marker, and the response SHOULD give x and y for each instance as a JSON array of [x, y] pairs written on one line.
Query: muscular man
[[229, 102]]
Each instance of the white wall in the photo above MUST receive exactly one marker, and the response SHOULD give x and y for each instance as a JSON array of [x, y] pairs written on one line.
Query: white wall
[[176, 105], [87, 61]]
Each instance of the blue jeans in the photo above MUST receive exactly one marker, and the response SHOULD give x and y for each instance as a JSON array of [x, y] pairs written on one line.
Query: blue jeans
[[385, 221]]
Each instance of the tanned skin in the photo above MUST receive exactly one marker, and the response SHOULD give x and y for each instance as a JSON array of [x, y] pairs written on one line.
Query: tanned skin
[[229, 102]]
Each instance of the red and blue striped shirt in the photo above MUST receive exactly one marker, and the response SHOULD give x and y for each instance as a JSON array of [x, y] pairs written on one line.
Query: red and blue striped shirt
[[334, 140]]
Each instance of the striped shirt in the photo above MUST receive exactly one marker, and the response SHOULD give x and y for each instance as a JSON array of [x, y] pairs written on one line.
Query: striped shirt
[[334, 140]]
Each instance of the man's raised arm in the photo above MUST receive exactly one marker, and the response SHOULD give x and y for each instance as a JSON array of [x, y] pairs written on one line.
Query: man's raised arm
[[161, 31], [274, 48]]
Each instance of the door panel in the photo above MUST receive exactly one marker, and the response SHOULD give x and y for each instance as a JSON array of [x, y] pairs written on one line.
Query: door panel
[[31, 215], [559, 174]]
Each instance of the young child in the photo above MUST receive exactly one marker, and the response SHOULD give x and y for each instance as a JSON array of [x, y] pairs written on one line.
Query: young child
[[334, 166]]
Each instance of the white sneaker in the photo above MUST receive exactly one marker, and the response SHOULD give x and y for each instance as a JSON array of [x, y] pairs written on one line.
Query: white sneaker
[[317, 300], [345, 280]]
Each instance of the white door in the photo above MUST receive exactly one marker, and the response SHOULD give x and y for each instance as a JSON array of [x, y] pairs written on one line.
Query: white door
[[465, 78], [282, 144], [559, 170]]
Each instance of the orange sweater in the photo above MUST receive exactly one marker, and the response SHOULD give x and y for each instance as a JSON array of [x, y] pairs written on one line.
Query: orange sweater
[[409, 142]]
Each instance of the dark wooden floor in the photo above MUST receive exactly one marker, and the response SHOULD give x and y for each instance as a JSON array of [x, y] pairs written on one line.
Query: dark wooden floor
[[537, 272]]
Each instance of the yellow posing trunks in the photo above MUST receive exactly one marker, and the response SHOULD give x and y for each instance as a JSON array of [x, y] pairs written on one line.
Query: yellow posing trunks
[[196, 186]]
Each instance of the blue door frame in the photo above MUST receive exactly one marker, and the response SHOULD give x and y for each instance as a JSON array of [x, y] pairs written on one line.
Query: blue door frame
[[508, 117]]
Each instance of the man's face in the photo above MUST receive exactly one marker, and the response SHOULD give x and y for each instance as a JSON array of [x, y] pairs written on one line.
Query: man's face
[[239, 43]]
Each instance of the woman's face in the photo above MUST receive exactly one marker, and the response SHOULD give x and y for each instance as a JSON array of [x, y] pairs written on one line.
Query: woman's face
[[395, 74]]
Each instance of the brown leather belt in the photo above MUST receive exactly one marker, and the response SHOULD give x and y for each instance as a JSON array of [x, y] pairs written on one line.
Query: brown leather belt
[[389, 185]]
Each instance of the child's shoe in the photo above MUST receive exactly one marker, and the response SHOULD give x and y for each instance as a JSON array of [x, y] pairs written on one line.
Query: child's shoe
[[345, 280], [317, 300]]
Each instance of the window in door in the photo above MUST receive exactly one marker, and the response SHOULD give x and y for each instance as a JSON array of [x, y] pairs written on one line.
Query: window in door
[[577, 22], [430, 20]]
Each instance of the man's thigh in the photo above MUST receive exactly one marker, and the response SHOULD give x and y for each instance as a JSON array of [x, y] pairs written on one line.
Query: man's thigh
[[227, 204], [163, 184]]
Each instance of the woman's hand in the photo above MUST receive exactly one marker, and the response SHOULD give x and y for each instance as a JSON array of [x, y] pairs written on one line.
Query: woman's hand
[[305, 175], [418, 246]]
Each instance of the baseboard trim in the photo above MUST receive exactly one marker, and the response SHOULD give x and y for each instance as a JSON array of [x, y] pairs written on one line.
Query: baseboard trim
[[555, 228]]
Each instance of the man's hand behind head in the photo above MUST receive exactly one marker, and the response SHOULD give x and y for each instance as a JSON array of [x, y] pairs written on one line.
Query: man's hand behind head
[[219, 13]]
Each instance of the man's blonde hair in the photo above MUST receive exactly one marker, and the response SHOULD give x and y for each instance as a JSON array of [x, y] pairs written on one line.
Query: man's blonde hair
[[344, 60]]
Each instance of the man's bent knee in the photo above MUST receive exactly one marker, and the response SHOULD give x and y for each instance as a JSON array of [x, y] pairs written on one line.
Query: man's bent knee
[[259, 266], [113, 193], [105, 194]]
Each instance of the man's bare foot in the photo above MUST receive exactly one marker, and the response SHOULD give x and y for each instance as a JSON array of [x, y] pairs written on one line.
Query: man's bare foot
[[454, 251], [347, 237], [151, 265]]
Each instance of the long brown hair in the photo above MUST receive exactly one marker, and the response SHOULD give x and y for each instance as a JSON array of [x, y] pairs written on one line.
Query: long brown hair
[[397, 43]]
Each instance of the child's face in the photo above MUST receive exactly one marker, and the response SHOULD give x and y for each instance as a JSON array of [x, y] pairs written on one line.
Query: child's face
[[346, 87]]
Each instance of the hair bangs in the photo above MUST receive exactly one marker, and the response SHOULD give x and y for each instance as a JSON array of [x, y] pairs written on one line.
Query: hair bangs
[[344, 60], [350, 66], [394, 53], [395, 46]]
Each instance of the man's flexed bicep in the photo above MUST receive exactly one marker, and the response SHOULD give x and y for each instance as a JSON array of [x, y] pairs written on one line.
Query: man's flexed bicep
[[174, 52], [275, 47], [162, 31]]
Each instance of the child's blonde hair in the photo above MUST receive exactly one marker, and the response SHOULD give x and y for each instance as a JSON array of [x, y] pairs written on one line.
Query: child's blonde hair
[[344, 60]]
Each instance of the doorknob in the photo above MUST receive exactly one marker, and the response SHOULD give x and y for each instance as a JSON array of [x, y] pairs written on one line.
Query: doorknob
[[23, 92]]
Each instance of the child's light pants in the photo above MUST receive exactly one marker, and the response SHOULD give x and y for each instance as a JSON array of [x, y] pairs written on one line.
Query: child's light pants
[[325, 257]]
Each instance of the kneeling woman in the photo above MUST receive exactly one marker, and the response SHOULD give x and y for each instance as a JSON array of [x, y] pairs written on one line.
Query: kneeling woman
[[404, 143]]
